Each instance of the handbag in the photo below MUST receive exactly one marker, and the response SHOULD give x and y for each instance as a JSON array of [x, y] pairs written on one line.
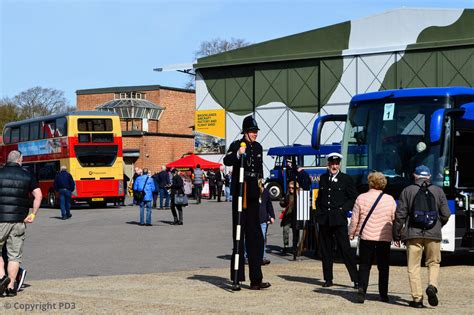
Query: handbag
[[181, 200], [140, 194], [365, 221]]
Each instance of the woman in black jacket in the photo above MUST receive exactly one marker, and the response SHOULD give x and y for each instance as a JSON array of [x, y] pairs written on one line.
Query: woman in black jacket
[[177, 187]]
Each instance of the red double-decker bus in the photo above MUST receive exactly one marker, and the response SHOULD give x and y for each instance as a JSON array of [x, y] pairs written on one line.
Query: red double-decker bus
[[88, 143]]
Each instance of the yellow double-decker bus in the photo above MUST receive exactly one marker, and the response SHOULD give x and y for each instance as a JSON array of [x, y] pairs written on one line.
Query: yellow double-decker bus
[[88, 143]]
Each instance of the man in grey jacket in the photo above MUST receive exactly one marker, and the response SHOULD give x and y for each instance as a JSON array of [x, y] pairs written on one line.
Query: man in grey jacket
[[421, 240]]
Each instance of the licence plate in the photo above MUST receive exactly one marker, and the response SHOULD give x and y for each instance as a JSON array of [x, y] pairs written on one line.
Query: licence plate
[[97, 199]]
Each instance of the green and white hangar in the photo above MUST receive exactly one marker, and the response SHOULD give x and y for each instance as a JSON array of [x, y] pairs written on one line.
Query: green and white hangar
[[288, 82]]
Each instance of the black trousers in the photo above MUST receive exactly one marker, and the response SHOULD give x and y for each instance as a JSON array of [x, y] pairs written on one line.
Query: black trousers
[[212, 192], [252, 232], [326, 236], [219, 192], [367, 251], [177, 216]]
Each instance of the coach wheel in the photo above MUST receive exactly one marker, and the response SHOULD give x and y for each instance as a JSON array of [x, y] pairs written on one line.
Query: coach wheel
[[52, 202], [275, 191]]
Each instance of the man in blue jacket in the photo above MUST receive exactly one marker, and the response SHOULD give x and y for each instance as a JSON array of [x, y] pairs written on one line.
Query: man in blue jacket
[[145, 183], [64, 184]]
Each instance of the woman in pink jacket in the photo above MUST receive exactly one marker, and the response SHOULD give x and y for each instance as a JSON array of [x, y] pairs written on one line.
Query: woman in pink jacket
[[376, 236]]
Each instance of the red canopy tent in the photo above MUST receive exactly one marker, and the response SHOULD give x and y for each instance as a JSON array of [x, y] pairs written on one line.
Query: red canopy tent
[[191, 161]]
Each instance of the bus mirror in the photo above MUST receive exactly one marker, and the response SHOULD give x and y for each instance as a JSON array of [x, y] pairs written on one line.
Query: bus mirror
[[436, 125], [468, 111], [437, 119], [318, 127]]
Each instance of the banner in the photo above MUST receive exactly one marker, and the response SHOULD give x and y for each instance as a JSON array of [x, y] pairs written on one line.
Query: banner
[[209, 131]]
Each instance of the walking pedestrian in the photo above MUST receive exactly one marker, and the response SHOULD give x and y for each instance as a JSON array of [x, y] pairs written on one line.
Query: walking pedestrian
[[422, 236], [144, 187], [288, 220], [16, 185], [177, 187], [336, 197], [211, 178], [249, 227], [227, 184], [371, 220], [163, 180], [267, 217], [219, 183], [64, 185], [198, 180]]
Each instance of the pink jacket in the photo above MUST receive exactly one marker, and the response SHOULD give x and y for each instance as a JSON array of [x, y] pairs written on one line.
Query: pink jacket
[[379, 225]]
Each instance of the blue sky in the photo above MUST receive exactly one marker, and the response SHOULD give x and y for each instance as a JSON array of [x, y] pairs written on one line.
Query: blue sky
[[79, 44]]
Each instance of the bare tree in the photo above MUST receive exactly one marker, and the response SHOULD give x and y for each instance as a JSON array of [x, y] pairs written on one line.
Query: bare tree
[[212, 47], [8, 112], [40, 101]]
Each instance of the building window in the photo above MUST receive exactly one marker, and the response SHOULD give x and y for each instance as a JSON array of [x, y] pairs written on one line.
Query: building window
[[135, 95]]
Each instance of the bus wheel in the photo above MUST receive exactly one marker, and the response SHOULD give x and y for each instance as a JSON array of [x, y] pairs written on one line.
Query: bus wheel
[[52, 202], [275, 191]]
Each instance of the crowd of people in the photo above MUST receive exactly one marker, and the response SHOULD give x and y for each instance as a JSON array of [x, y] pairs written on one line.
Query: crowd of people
[[150, 190], [377, 221]]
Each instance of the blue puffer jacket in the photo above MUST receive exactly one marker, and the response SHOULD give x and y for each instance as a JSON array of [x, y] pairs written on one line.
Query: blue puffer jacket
[[145, 183]]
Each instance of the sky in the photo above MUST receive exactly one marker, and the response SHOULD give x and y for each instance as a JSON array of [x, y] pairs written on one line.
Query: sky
[[80, 44]]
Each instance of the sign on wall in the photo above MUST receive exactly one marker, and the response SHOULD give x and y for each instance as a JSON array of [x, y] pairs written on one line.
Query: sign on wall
[[209, 131]]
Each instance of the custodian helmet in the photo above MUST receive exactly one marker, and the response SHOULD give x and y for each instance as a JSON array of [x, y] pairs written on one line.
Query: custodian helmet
[[249, 124]]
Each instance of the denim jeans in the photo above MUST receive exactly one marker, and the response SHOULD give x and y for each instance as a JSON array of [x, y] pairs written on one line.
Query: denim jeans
[[146, 204], [264, 227], [228, 196], [65, 202], [164, 194]]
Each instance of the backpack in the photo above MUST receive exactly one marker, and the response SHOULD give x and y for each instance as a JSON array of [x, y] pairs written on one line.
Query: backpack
[[423, 212]]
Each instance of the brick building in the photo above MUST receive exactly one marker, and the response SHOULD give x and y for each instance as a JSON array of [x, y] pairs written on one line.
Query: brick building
[[157, 121]]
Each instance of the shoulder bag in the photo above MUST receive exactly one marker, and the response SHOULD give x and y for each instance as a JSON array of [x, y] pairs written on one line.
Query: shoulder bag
[[365, 221]]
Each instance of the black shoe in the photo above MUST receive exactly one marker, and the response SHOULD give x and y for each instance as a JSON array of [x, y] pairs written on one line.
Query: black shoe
[[360, 296], [149, 224], [236, 287], [356, 285], [384, 298], [265, 262], [63, 218], [141, 224], [179, 223], [4, 282], [20, 278], [11, 292], [432, 297], [416, 304], [69, 216], [261, 285], [327, 284]]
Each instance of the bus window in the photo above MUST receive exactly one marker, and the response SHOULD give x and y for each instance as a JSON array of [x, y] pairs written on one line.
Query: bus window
[[15, 135], [34, 131], [102, 137], [84, 137], [47, 170], [60, 127], [94, 156], [24, 132], [48, 129], [95, 124], [6, 135], [309, 160]]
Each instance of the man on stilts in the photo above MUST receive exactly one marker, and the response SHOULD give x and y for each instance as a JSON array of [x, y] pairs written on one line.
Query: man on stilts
[[246, 154]]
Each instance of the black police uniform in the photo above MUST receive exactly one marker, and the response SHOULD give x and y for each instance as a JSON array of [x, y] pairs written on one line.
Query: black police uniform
[[250, 220], [336, 197]]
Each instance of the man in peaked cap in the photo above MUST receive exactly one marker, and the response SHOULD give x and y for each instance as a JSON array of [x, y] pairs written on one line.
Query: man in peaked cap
[[336, 197], [251, 230]]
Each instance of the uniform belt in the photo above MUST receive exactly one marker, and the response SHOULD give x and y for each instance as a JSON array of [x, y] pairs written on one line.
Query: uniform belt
[[251, 174]]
